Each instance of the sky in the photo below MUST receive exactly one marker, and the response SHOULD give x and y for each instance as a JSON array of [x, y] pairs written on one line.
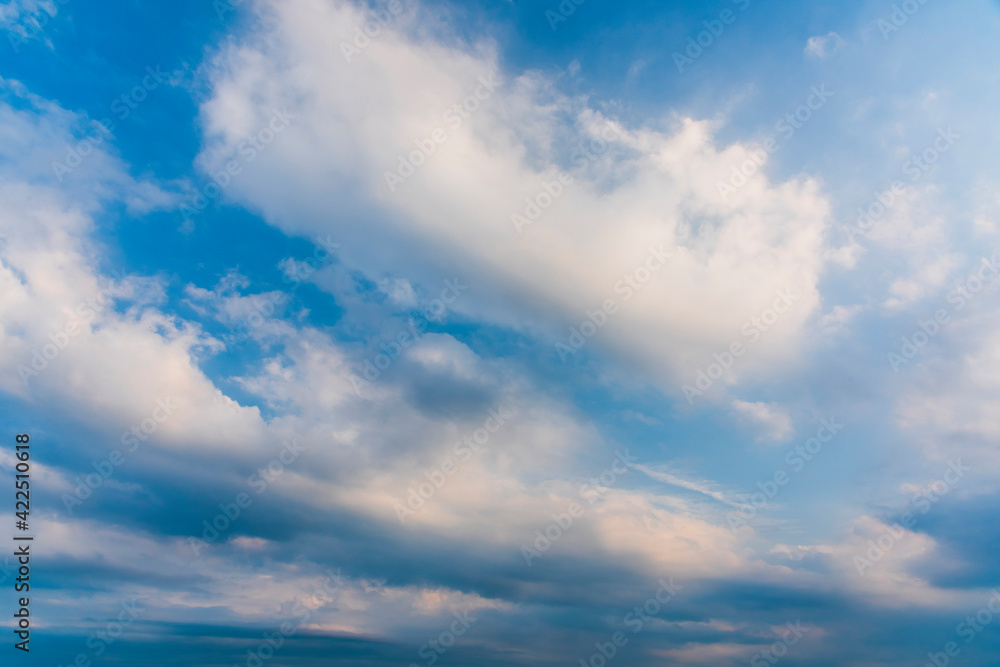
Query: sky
[[501, 332]]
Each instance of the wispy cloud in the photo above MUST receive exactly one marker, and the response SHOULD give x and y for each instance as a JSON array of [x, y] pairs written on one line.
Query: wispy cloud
[[665, 475], [776, 423]]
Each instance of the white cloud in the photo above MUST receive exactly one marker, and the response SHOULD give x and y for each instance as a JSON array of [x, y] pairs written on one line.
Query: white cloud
[[776, 423], [839, 318], [363, 452], [651, 188], [663, 474], [26, 16], [635, 69], [951, 388], [63, 335], [824, 46], [924, 280], [885, 576]]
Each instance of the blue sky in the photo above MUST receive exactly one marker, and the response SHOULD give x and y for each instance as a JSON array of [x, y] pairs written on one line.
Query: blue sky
[[458, 342]]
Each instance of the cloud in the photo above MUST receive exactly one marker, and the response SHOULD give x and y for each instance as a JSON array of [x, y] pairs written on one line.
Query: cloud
[[839, 319], [362, 452], [777, 425], [925, 280], [641, 189], [635, 69], [651, 183], [950, 391], [698, 486], [824, 46], [26, 17], [884, 575]]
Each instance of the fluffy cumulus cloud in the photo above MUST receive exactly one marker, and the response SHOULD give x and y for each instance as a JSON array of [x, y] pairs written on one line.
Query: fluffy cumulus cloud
[[530, 194], [427, 355]]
